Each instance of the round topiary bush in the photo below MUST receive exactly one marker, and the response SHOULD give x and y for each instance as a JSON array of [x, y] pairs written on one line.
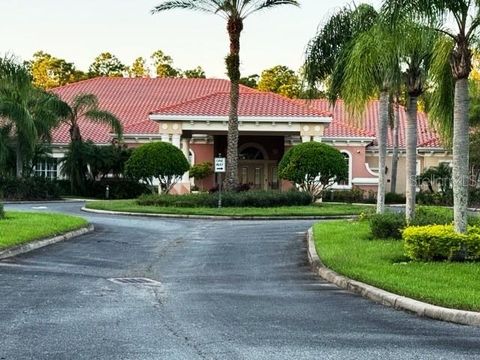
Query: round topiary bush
[[159, 160], [314, 167]]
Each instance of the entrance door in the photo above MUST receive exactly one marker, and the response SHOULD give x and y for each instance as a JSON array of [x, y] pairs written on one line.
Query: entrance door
[[252, 173]]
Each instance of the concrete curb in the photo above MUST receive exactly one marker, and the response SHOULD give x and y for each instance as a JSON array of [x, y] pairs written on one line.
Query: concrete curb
[[219, 217], [386, 298], [22, 249]]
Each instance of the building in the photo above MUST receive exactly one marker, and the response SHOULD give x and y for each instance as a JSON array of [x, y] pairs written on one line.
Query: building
[[192, 114]]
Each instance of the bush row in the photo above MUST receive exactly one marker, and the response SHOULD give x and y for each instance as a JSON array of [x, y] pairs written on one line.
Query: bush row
[[39, 188], [441, 242], [118, 189], [229, 199], [357, 195], [391, 225], [31, 188]]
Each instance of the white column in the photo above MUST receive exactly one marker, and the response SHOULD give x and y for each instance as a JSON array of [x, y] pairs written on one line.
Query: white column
[[186, 152], [176, 140], [306, 138], [165, 138]]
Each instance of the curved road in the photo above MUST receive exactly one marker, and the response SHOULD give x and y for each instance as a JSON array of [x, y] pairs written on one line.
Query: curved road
[[228, 290]]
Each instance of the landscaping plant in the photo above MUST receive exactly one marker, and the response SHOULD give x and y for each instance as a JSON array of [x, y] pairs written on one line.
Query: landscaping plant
[[159, 160], [314, 167]]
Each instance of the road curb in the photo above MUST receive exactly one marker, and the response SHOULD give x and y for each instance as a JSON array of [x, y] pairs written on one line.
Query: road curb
[[37, 244], [220, 217], [387, 298]]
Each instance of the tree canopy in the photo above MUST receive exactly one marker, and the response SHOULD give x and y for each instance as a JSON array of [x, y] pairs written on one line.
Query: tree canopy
[[314, 167], [280, 80], [107, 64], [159, 160]]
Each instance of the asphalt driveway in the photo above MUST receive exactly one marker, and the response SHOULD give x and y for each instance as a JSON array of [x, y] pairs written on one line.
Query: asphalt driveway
[[227, 290]]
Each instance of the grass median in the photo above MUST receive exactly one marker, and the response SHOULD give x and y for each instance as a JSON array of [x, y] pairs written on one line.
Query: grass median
[[325, 209], [347, 248], [21, 227]]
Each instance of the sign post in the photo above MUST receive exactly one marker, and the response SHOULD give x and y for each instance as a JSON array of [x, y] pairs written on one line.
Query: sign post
[[220, 167]]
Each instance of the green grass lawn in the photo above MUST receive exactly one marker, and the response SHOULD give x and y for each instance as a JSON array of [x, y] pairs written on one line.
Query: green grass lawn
[[346, 247], [325, 209], [21, 227]]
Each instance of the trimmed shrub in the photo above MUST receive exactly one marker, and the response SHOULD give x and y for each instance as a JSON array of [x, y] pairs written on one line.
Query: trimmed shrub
[[229, 199], [441, 242], [387, 226], [2, 212], [32, 188], [118, 189], [314, 167], [159, 160], [394, 198]]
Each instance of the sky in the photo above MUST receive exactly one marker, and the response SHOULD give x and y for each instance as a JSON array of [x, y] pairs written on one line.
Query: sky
[[78, 31]]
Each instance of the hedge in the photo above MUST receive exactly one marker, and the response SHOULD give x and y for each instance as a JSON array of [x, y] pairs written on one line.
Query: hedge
[[31, 188], [229, 199], [2, 212], [441, 242]]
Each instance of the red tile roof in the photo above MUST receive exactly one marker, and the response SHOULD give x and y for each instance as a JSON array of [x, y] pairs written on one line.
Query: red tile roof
[[427, 137], [133, 99], [251, 104]]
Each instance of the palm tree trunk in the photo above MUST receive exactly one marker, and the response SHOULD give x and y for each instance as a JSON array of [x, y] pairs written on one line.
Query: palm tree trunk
[[396, 121], [234, 27], [19, 160], [382, 150], [411, 166], [460, 155]]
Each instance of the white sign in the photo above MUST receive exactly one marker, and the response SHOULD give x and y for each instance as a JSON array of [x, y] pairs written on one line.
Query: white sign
[[220, 165]]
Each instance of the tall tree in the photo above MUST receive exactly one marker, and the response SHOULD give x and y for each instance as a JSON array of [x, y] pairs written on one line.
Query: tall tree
[[107, 64], [235, 12], [280, 80], [452, 66], [28, 112], [139, 68], [372, 67], [49, 72], [84, 106], [164, 65]]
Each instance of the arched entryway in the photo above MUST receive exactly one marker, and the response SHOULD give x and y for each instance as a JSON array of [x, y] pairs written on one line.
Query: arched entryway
[[255, 169]]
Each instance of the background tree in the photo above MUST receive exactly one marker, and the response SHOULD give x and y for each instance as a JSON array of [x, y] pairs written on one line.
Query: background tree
[[314, 167], [29, 113], [235, 12], [280, 80], [49, 72], [159, 160], [164, 65], [453, 54], [107, 64], [83, 106], [251, 81], [197, 73], [139, 68]]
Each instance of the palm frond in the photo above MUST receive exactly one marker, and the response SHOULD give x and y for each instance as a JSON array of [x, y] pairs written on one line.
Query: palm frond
[[442, 99], [210, 6], [82, 103], [106, 117]]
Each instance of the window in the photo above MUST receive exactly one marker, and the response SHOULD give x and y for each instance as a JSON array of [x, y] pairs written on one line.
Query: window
[[347, 183], [47, 168]]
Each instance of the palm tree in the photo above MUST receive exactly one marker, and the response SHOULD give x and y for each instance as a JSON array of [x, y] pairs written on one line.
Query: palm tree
[[454, 51], [29, 113], [235, 12], [84, 106], [373, 67]]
